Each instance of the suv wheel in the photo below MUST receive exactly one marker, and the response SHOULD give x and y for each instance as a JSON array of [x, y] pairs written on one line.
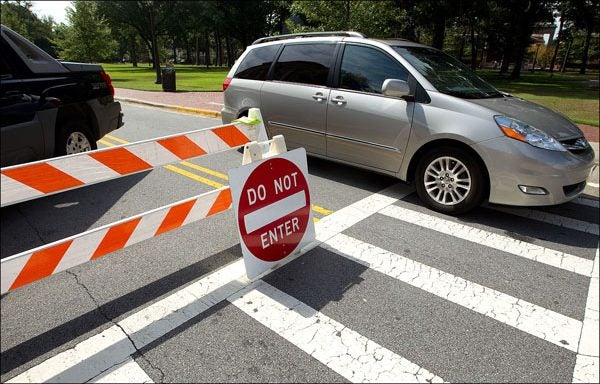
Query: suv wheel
[[74, 137], [450, 180]]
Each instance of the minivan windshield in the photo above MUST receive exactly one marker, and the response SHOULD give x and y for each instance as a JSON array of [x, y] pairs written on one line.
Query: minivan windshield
[[447, 74]]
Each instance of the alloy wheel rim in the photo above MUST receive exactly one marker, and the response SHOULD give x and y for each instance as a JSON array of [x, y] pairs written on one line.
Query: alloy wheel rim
[[77, 142], [447, 180]]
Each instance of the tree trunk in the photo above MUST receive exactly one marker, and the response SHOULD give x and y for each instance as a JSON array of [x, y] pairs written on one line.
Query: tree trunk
[[230, 58], [207, 50], [439, 32], [197, 56], [133, 51], [155, 54], [564, 64], [586, 48], [174, 52], [560, 27], [473, 46]]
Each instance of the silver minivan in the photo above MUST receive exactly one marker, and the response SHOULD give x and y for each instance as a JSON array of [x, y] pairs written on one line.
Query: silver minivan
[[413, 112]]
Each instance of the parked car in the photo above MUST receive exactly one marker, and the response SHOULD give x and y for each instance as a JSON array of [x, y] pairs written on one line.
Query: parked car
[[413, 112], [50, 108]]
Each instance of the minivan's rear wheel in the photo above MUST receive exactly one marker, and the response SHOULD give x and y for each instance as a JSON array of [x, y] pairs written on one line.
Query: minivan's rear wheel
[[74, 137], [450, 180]]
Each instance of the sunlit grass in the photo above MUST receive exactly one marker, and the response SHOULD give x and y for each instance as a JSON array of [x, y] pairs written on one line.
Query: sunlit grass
[[187, 77]]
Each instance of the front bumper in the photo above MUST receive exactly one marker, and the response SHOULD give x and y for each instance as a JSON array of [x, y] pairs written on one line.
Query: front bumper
[[511, 163]]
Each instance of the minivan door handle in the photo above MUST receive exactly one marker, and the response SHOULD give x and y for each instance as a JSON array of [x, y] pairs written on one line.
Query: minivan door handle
[[339, 100], [318, 96]]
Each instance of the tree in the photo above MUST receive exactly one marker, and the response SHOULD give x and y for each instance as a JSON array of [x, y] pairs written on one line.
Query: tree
[[18, 16], [585, 16], [87, 37], [375, 19], [148, 17]]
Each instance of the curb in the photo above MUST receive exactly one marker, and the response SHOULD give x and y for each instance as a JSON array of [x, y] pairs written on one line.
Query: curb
[[195, 111]]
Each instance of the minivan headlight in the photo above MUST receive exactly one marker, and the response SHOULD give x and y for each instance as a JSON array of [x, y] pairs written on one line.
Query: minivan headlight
[[518, 130]]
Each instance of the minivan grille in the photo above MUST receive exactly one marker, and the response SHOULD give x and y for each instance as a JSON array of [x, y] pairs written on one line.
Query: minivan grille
[[576, 145], [572, 189]]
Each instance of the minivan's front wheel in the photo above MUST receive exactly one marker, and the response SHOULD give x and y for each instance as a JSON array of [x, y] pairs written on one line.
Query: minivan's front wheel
[[450, 180], [74, 137]]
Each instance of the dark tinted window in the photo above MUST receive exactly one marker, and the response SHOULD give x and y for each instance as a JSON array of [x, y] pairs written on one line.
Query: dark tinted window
[[257, 63], [365, 69], [447, 74], [303, 63]]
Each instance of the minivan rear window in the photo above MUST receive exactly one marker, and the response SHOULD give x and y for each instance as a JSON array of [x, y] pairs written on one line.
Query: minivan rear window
[[257, 62], [304, 63]]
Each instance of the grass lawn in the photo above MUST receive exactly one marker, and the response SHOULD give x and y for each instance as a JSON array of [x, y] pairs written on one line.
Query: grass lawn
[[187, 77], [570, 94]]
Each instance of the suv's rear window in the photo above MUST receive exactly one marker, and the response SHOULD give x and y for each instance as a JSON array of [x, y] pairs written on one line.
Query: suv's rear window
[[257, 62], [304, 63]]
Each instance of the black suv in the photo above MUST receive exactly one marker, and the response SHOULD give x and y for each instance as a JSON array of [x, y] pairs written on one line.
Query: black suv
[[50, 108]]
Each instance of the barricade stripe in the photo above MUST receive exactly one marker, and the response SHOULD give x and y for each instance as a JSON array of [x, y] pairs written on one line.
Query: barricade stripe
[[231, 135], [16, 188], [222, 202], [152, 153], [121, 160], [41, 264], [116, 238], [175, 217], [43, 177], [46, 260], [182, 147], [81, 169], [80, 249]]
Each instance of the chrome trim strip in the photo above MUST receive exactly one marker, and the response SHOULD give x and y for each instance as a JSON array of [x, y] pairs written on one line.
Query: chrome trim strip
[[364, 142], [296, 127]]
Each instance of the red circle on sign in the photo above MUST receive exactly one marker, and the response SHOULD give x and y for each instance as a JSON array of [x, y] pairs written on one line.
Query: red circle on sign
[[274, 209]]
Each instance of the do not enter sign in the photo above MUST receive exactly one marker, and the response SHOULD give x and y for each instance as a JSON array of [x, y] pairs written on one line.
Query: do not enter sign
[[271, 200]]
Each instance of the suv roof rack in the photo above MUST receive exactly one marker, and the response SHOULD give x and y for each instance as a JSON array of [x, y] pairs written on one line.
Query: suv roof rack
[[308, 34]]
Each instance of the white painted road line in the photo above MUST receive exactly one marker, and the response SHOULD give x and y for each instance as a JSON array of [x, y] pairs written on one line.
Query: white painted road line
[[587, 365], [550, 218], [95, 355], [527, 317], [516, 247], [588, 202], [126, 372], [341, 349]]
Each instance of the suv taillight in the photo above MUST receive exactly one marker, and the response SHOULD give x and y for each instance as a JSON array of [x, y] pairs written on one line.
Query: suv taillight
[[108, 82], [226, 83]]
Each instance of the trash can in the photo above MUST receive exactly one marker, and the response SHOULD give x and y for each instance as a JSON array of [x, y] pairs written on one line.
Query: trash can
[[168, 79]]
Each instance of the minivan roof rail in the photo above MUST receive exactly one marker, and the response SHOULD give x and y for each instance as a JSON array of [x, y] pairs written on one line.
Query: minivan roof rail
[[308, 34]]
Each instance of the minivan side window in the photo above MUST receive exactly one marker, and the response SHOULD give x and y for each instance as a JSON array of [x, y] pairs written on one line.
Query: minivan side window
[[365, 69], [257, 62], [304, 63]]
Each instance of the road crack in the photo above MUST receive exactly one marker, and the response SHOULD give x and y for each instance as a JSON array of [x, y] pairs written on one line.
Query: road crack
[[110, 320]]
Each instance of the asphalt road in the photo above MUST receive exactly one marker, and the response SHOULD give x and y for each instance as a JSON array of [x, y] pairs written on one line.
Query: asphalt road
[[393, 292]]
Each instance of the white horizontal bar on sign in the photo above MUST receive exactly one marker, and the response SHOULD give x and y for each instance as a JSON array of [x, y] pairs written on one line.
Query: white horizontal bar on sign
[[28, 181], [275, 211], [29, 266]]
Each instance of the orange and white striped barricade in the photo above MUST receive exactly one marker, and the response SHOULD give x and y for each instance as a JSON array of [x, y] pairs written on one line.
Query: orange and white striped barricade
[[35, 264], [32, 180], [29, 181]]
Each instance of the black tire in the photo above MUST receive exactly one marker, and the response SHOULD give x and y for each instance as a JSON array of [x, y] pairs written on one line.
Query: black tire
[[450, 180], [74, 136]]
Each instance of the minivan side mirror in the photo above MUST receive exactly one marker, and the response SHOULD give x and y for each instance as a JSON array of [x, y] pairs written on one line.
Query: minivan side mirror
[[395, 88]]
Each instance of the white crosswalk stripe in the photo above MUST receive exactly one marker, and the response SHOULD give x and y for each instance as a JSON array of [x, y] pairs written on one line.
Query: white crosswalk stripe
[[516, 247], [348, 353], [107, 356]]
